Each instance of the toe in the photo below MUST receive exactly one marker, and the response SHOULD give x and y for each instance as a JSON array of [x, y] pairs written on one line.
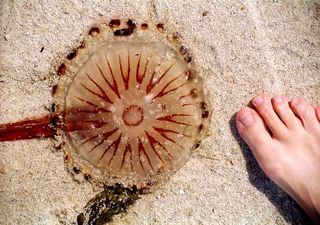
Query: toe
[[263, 105], [282, 108], [317, 109], [305, 112], [253, 131]]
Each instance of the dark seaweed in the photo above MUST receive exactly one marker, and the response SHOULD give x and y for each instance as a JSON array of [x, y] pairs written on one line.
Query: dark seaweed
[[111, 201]]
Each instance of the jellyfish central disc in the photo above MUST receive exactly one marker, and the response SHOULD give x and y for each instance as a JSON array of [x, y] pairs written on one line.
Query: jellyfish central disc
[[132, 115]]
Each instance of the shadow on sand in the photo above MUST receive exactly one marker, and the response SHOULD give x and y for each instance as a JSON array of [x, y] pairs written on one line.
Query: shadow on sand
[[287, 207]]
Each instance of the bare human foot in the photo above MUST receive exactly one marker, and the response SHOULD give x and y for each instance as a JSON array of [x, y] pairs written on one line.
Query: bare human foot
[[285, 140]]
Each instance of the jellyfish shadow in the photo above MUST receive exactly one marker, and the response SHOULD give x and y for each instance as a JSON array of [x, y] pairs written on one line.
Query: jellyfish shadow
[[285, 205]]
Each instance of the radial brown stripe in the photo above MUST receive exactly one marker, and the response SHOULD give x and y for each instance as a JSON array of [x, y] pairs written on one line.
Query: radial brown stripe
[[106, 97], [92, 104], [153, 142], [174, 89], [163, 92], [170, 118], [105, 135], [116, 147], [153, 83], [143, 150], [94, 93], [139, 77], [126, 151], [140, 80], [125, 77], [114, 85], [115, 144]]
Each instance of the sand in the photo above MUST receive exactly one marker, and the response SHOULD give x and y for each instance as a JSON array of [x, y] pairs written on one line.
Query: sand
[[240, 49]]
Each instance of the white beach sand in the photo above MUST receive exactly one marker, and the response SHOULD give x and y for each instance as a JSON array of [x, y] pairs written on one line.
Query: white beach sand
[[240, 49]]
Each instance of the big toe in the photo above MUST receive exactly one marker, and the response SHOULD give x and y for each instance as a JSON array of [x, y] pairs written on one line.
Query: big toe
[[254, 132], [317, 108]]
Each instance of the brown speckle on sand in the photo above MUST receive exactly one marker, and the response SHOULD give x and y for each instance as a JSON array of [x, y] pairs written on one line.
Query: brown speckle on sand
[[205, 13], [2, 170]]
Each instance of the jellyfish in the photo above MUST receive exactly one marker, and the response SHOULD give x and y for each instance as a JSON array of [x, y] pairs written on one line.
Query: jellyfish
[[128, 105]]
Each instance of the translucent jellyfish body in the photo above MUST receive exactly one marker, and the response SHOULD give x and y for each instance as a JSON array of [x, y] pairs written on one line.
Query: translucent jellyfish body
[[129, 104]]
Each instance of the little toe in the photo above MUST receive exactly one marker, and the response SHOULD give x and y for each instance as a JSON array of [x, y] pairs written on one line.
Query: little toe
[[253, 131], [282, 108], [263, 105], [305, 112]]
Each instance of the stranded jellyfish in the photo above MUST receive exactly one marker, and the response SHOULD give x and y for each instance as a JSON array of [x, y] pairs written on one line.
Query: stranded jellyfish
[[128, 105]]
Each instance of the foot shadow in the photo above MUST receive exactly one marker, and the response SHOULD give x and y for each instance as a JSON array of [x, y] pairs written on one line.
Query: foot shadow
[[285, 205]]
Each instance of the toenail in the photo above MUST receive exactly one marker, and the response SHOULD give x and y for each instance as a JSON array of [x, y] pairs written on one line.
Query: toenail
[[247, 119], [278, 99], [258, 100]]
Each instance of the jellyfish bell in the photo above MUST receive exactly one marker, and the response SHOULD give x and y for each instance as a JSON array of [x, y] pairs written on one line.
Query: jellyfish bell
[[129, 104]]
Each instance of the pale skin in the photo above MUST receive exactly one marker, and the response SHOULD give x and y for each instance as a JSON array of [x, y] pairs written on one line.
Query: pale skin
[[284, 137]]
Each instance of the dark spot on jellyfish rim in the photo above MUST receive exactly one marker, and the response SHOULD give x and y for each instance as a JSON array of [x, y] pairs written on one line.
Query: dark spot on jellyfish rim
[[131, 25], [53, 107], [197, 145], [76, 170], [203, 105], [59, 147], [176, 36], [72, 54], [205, 114], [188, 58], [62, 69], [114, 23], [200, 128], [87, 176], [160, 27], [82, 45], [54, 122], [144, 26], [123, 32], [183, 50], [94, 31], [54, 90], [205, 111]]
